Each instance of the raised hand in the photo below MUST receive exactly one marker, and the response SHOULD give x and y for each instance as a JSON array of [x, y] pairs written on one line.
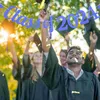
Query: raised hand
[[31, 39], [93, 38], [43, 16], [67, 38]]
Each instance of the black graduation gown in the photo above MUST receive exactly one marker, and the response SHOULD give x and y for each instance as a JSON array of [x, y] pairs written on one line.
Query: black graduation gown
[[87, 87], [32, 90], [4, 93], [27, 88], [17, 76], [99, 77], [19, 90], [89, 66]]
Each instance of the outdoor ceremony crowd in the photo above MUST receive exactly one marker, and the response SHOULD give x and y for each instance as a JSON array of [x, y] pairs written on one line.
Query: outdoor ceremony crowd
[[41, 77]]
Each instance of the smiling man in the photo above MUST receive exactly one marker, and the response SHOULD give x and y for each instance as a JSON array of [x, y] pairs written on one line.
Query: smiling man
[[75, 61], [70, 83]]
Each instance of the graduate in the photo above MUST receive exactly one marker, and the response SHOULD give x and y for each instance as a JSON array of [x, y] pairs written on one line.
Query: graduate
[[63, 57], [70, 83], [89, 64], [28, 75], [91, 61], [34, 87]]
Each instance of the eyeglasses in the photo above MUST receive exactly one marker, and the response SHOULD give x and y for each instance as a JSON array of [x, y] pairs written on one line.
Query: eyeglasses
[[77, 52]]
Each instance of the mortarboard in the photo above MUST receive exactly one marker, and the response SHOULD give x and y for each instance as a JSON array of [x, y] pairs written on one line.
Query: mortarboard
[[38, 42], [64, 32], [90, 27]]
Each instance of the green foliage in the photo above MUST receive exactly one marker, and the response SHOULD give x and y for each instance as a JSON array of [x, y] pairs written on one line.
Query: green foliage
[[30, 9]]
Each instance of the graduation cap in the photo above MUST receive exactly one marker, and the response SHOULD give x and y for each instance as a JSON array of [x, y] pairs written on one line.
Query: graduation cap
[[38, 42], [91, 27], [66, 31]]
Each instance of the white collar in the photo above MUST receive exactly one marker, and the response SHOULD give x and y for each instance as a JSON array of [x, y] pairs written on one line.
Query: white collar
[[72, 73]]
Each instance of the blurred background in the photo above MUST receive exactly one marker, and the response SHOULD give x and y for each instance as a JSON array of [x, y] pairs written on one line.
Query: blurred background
[[31, 9]]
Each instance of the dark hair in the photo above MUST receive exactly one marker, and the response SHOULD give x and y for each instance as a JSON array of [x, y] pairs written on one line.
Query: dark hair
[[64, 50], [74, 47]]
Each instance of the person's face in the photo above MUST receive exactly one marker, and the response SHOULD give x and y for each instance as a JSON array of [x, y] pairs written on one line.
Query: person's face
[[63, 58], [74, 56], [37, 58]]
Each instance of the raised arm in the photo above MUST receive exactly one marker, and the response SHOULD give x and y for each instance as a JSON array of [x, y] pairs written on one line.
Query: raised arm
[[90, 64], [97, 62], [51, 75], [30, 39], [26, 59], [44, 32], [93, 40], [67, 38], [92, 56], [11, 47], [16, 63]]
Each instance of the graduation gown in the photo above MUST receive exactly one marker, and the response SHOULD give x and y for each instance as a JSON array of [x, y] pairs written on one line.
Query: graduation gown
[[89, 66], [87, 87], [34, 90], [4, 93], [29, 89], [99, 77], [17, 74]]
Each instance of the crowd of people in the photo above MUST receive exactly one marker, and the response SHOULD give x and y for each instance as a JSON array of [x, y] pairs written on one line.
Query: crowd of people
[[41, 77]]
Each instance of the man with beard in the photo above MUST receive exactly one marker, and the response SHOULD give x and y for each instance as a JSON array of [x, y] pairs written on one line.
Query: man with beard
[[71, 83]]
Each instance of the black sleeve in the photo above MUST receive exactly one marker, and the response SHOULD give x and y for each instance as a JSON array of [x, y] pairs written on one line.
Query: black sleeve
[[27, 66], [99, 77], [96, 88], [6, 89], [89, 66], [52, 70], [17, 70], [22, 72]]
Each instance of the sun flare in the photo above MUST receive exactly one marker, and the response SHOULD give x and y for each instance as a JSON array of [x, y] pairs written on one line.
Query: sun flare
[[3, 36]]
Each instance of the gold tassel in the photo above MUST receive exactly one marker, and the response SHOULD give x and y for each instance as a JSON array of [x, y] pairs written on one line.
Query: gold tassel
[[42, 4]]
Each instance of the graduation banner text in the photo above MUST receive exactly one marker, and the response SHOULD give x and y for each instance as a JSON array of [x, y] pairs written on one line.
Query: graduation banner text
[[28, 22]]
